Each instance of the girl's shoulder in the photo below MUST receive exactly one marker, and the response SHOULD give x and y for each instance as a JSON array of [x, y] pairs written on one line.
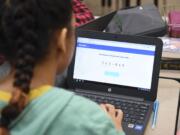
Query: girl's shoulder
[[82, 116]]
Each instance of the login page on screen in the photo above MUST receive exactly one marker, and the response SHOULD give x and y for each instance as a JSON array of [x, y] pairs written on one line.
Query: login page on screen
[[114, 62]]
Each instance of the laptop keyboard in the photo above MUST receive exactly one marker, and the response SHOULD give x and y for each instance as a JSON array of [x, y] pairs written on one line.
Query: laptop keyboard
[[134, 112]]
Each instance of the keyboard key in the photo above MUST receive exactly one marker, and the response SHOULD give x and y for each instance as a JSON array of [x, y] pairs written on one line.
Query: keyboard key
[[139, 122], [144, 107], [141, 114], [127, 119], [133, 120], [143, 111], [141, 118]]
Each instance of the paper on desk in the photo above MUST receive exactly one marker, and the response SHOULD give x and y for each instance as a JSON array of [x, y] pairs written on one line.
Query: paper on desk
[[171, 44]]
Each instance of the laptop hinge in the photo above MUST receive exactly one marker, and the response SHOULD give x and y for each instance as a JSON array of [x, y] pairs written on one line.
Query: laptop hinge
[[104, 94]]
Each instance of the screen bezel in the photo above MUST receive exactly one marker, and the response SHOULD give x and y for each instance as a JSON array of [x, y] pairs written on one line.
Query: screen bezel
[[112, 88]]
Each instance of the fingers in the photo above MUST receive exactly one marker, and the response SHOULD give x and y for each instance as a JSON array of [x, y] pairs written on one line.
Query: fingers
[[108, 108], [115, 114], [119, 114], [103, 107], [111, 110]]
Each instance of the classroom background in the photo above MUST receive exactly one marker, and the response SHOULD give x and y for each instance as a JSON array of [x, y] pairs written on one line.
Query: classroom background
[[98, 10]]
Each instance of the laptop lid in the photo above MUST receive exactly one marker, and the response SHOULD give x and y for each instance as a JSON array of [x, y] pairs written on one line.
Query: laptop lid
[[117, 64], [98, 24]]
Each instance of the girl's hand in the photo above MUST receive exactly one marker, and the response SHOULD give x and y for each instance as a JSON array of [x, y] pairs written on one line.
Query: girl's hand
[[115, 114]]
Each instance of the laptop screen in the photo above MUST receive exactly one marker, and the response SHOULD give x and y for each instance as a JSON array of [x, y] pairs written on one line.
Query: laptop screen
[[114, 62]]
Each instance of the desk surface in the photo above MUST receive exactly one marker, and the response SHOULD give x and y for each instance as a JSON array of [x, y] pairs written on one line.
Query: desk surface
[[168, 97], [168, 83], [172, 74]]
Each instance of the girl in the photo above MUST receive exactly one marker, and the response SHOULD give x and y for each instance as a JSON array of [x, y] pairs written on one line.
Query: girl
[[37, 40]]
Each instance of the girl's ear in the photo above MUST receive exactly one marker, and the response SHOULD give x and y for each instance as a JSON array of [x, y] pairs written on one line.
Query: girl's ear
[[63, 49], [62, 40]]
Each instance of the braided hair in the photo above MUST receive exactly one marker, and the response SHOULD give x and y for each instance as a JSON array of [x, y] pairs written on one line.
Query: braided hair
[[26, 28]]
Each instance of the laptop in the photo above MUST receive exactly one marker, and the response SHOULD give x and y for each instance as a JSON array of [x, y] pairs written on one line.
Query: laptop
[[120, 70]]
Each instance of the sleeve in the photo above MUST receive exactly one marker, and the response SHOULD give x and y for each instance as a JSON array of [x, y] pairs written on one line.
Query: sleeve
[[81, 12], [83, 117]]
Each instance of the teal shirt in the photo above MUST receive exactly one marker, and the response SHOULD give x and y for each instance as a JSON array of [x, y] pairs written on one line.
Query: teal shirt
[[59, 112]]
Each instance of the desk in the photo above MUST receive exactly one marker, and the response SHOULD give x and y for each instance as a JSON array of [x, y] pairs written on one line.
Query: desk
[[171, 74], [168, 83], [168, 97]]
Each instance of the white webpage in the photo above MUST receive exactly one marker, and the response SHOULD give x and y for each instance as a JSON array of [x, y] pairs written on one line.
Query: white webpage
[[114, 62]]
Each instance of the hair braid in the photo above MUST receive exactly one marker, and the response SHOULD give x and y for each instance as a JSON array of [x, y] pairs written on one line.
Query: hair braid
[[25, 42], [2, 39], [26, 28]]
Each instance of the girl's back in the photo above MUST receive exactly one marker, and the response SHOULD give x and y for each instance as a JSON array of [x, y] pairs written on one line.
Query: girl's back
[[54, 111]]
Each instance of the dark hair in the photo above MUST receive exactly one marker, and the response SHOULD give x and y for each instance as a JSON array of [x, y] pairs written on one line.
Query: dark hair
[[26, 28]]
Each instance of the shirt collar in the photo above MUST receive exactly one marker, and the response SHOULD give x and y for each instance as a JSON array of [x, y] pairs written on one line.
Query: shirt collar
[[34, 93]]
